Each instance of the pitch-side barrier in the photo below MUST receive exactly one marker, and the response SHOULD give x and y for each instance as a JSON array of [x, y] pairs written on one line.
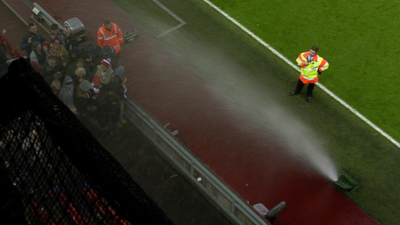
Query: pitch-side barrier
[[216, 191]]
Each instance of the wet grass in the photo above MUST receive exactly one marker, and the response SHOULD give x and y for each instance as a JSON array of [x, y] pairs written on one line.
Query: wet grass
[[357, 38]]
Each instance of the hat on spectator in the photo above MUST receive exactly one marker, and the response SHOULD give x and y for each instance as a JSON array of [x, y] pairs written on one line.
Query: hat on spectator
[[56, 42], [68, 80], [119, 71], [85, 86], [96, 81], [79, 70], [105, 62], [46, 43]]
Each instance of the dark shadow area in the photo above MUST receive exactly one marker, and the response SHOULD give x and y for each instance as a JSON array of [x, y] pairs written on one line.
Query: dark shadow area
[[53, 169]]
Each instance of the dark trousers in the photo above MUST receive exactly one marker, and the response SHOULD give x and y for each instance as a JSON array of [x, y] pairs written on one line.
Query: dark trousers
[[300, 86]]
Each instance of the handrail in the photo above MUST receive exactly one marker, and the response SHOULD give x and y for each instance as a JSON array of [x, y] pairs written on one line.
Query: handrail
[[46, 16], [209, 184], [42, 14]]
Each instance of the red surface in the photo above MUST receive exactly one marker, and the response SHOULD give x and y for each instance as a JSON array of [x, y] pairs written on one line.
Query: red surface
[[255, 166]]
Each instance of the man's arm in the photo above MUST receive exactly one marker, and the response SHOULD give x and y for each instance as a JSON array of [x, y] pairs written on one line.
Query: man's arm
[[323, 66], [26, 42], [100, 38], [120, 35], [301, 61]]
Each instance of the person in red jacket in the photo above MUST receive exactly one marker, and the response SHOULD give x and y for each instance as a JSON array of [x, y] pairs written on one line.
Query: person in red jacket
[[110, 34]]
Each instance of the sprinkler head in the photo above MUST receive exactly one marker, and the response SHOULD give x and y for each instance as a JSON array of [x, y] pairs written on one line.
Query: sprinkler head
[[346, 183]]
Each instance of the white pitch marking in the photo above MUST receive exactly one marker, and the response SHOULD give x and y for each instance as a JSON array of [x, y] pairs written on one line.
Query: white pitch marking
[[181, 21], [297, 68]]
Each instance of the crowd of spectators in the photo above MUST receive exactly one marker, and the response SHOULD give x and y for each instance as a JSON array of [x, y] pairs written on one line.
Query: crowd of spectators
[[85, 76]]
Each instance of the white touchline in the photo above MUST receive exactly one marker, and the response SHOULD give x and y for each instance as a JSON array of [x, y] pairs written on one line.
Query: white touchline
[[181, 22], [297, 68]]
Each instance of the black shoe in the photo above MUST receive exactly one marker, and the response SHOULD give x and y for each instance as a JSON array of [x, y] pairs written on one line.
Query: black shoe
[[309, 99], [293, 93]]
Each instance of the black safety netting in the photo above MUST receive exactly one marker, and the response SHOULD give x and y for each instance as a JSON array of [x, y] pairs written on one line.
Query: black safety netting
[[52, 170]]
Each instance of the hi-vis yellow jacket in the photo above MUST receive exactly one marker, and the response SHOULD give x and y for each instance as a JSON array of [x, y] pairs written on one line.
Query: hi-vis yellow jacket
[[310, 72]]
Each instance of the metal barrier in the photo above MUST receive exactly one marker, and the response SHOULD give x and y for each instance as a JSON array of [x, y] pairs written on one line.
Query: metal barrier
[[41, 14], [215, 190]]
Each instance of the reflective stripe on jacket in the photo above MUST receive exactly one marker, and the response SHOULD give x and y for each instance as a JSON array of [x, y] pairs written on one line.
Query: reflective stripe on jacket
[[112, 38], [310, 72]]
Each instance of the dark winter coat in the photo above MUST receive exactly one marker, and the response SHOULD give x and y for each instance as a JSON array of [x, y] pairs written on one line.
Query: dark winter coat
[[25, 45]]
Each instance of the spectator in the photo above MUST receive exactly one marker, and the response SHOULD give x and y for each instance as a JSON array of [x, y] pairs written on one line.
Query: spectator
[[66, 93], [92, 55], [57, 34], [110, 34], [80, 63], [59, 51], [56, 86], [108, 111], [80, 75], [46, 47], [83, 98], [51, 68], [108, 52], [70, 39], [31, 35], [96, 87], [58, 76], [38, 55], [104, 72], [118, 82], [74, 55]]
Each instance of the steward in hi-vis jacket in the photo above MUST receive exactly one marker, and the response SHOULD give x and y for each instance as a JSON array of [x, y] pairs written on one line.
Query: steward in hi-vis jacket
[[110, 34], [311, 66]]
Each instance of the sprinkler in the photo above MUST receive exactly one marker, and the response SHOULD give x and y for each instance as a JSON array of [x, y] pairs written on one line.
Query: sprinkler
[[270, 215], [346, 183]]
